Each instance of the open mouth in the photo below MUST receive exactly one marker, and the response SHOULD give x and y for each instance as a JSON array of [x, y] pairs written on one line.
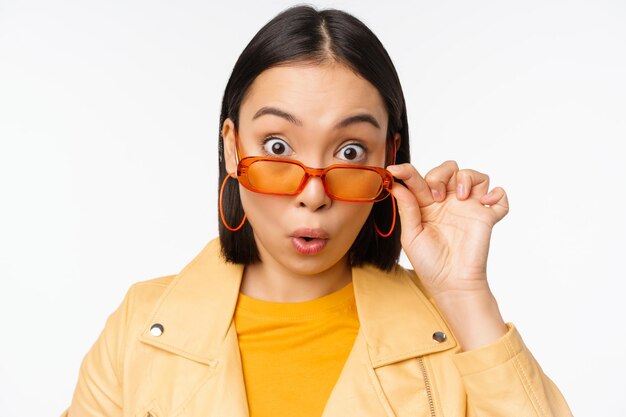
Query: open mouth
[[307, 245], [309, 241]]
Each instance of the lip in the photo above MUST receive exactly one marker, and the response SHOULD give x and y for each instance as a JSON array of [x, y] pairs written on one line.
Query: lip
[[310, 232], [317, 239]]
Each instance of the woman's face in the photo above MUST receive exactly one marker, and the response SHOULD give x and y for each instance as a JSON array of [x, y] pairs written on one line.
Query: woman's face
[[296, 112]]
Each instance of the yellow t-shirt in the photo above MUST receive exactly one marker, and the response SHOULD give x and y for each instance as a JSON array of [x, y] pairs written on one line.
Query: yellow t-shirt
[[293, 353]]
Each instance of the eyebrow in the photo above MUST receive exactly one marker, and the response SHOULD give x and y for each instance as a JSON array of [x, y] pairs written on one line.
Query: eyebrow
[[357, 118]]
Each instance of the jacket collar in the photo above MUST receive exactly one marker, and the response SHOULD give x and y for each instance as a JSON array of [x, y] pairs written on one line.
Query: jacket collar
[[197, 308]]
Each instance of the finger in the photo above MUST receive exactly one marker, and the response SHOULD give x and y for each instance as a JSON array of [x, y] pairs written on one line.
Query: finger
[[409, 209], [438, 179], [471, 183], [413, 181], [498, 201]]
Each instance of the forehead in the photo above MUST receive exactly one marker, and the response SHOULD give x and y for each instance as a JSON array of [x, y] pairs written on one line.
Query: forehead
[[318, 94]]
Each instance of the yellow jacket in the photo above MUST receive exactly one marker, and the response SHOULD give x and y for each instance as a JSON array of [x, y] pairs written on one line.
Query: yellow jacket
[[396, 367]]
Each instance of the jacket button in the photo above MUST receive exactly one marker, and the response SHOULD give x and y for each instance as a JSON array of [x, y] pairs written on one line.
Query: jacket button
[[156, 329], [439, 337]]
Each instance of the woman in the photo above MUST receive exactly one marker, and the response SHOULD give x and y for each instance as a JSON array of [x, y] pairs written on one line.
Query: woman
[[300, 307]]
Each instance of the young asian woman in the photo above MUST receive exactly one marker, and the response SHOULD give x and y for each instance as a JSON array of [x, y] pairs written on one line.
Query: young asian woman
[[300, 307]]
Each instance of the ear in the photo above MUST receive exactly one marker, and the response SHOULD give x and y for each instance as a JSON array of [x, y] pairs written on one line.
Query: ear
[[230, 157]]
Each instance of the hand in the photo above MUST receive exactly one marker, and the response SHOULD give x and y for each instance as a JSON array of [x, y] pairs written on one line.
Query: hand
[[447, 218]]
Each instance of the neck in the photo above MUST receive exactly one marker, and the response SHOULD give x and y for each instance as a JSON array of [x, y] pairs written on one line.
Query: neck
[[271, 281]]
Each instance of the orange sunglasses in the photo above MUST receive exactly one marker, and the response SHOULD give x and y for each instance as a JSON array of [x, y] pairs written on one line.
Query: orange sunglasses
[[288, 177], [282, 176]]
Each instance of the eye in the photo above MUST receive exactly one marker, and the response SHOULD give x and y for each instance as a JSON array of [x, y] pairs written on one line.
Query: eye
[[352, 152], [276, 147]]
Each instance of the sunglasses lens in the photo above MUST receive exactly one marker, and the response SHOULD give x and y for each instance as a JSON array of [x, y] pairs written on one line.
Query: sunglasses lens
[[285, 178], [354, 184], [275, 176]]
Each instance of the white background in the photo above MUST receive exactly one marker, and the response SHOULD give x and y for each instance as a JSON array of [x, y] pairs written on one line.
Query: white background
[[108, 164]]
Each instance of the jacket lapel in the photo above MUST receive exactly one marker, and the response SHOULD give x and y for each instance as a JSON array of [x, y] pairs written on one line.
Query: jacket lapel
[[196, 312], [197, 307], [397, 323], [357, 391]]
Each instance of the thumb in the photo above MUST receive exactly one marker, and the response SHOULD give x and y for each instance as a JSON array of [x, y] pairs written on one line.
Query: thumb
[[409, 209]]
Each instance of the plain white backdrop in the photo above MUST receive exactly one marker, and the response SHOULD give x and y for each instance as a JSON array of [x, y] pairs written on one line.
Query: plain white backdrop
[[108, 164]]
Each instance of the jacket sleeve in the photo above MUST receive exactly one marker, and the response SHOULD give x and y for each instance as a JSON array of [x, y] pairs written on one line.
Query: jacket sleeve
[[504, 379], [99, 388]]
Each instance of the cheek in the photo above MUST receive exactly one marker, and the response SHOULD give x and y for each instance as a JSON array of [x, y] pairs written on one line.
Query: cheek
[[352, 217], [261, 210]]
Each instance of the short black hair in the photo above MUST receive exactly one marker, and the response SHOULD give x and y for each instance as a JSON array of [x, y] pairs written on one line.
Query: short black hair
[[304, 34]]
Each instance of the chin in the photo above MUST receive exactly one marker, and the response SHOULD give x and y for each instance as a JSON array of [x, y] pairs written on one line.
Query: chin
[[313, 264]]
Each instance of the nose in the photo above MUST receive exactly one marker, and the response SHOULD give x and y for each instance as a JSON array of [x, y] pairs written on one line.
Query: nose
[[313, 196]]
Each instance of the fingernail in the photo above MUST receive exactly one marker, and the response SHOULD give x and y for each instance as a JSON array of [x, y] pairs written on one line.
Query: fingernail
[[460, 190], [436, 195]]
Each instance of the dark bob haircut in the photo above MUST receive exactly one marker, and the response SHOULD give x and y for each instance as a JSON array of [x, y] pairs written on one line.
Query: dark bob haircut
[[302, 34]]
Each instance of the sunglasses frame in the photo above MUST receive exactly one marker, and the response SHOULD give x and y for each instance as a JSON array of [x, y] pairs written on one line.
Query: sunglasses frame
[[244, 164]]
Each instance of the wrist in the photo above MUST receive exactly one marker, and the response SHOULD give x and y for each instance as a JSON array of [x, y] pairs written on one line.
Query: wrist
[[474, 317], [471, 292]]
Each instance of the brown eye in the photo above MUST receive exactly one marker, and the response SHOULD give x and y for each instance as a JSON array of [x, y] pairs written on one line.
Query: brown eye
[[352, 152], [349, 153], [276, 147]]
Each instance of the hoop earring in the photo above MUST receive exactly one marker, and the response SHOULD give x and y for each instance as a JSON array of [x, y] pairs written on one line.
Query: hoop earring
[[393, 220], [232, 229]]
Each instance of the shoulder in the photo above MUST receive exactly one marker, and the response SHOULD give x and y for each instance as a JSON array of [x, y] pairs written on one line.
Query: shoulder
[[145, 294], [151, 289], [408, 280], [410, 273], [139, 302], [400, 273]]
